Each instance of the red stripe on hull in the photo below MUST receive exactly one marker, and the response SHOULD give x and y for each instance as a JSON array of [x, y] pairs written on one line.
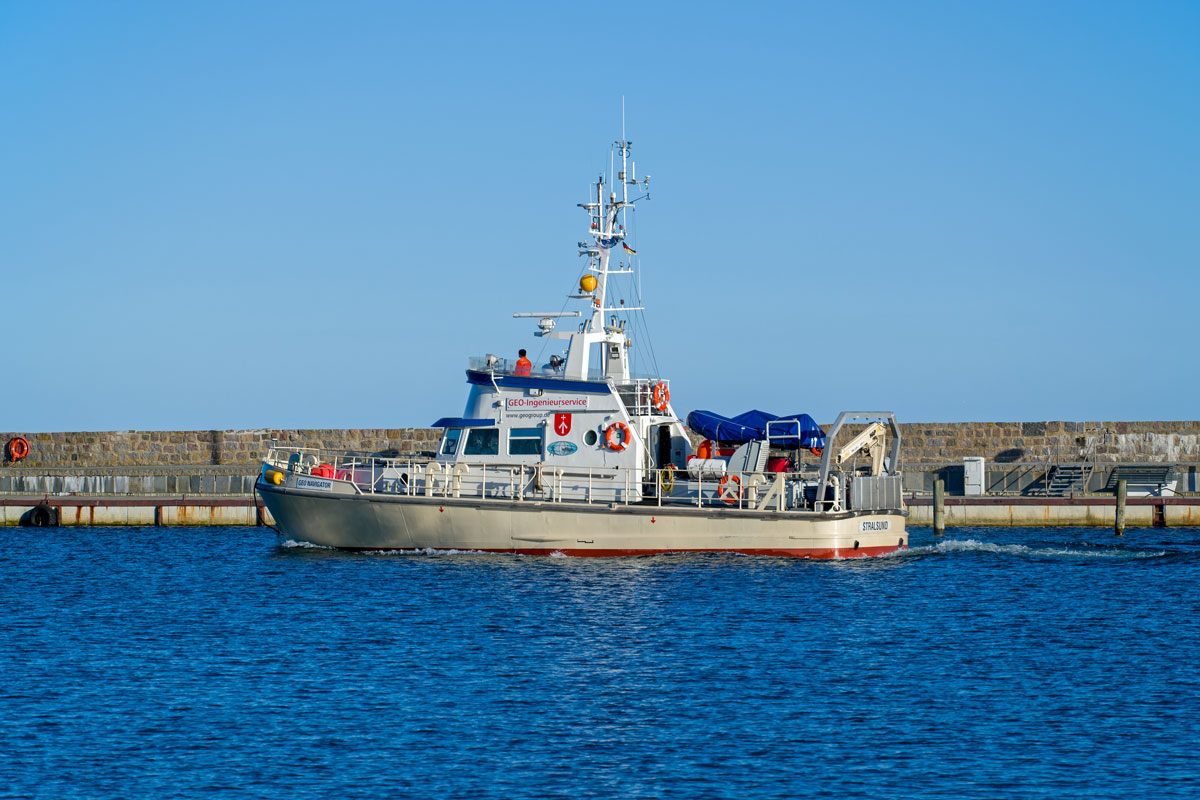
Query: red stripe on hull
[[824, 553]]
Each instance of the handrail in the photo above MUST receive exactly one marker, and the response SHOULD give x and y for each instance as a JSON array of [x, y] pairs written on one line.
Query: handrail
[[506, 367], [590, 485], [642, 392]]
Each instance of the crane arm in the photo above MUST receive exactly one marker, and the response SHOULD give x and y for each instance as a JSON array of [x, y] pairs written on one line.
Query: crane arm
[[869, 442]]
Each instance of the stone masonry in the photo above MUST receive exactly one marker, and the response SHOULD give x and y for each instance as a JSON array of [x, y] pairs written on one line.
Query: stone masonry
[[923, 444], [1026, 442], [85, 449]]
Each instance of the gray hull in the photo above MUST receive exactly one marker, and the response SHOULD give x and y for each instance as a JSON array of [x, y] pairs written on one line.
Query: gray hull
[[367, 522]]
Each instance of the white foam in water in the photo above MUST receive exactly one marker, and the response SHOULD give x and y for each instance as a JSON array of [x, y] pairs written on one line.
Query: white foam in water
[[294, 543], [976, 546], [423, 551], [940, 548]]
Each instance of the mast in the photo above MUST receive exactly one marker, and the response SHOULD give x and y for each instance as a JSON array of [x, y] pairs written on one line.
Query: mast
[[606, 232], [597, 321]]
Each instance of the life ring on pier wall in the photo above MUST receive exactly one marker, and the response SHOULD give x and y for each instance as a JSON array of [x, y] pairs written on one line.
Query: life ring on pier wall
[[662, 396], [17, 448], [732, 494], [610, 438]]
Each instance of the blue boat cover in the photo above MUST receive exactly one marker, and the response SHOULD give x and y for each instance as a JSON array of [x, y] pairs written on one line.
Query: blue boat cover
[[797, 430], [462, 422]]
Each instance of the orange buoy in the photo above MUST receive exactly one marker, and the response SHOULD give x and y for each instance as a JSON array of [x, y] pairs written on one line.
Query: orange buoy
[[610, 438]]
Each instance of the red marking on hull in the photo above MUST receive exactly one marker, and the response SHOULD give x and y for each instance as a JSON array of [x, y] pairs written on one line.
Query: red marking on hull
[[821, 552]]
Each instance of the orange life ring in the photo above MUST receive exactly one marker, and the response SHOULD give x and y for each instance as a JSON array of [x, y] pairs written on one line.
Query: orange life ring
[[610, 439], [816, 451], [662, 396], [730, 496], [17, 448]]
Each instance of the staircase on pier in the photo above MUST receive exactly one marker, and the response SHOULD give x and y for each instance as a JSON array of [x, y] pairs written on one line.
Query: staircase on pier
[[1067, 479]]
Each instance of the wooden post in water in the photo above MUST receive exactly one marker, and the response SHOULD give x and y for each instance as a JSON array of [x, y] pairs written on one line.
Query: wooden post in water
[[1120, 524], [939, 507]]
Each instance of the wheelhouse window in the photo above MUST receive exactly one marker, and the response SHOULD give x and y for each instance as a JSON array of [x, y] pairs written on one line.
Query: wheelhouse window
[[450, 443], [525, 442], [482, 442]]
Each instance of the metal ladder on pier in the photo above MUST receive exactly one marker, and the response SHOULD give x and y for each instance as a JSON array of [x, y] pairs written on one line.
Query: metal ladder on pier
[[1072, 478], [1065, 479]]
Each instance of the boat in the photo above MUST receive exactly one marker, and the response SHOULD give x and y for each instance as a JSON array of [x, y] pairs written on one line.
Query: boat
[[585, 455]]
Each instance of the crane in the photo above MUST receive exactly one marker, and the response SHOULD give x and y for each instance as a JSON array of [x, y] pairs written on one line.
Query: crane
[[869, 442]]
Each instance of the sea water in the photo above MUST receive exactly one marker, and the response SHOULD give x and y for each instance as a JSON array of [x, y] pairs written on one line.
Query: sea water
[[992, 662]]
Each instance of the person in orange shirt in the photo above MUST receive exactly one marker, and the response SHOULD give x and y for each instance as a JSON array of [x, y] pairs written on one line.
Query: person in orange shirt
[[524, 365]]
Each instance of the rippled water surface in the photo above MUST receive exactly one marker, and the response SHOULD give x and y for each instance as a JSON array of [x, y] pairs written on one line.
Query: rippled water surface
[[224, 662]]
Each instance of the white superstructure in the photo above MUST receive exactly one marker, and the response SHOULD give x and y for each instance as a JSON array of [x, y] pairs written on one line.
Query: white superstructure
[[580, 454]]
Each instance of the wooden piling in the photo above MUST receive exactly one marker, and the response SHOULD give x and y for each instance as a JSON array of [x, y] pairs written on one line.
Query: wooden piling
[[1119, 527], [939, 507]]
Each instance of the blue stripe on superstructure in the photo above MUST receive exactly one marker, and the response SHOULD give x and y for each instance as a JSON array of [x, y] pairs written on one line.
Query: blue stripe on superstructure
[[463, 422], [531, 382]]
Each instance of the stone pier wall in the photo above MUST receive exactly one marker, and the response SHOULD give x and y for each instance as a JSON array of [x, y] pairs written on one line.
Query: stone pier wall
[[1017, 442], [930, 443], [104, 449]]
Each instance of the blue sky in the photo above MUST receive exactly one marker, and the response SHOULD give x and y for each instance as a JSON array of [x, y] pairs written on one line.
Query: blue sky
[[225, 215]]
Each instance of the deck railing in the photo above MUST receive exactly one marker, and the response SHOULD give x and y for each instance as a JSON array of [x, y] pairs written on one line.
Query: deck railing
[[523, 482], [507, 367], [638, 396]]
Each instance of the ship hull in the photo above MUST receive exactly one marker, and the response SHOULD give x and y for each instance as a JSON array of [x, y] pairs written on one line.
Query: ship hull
[[373, 522]]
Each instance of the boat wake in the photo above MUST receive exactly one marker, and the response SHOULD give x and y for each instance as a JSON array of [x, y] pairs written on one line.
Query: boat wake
[[419, 551], [955, 546], [289, 543]]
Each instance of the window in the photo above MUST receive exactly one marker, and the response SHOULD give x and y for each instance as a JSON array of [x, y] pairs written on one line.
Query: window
[[525, 442], [482, 442], [450, 444], [589, 438]]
